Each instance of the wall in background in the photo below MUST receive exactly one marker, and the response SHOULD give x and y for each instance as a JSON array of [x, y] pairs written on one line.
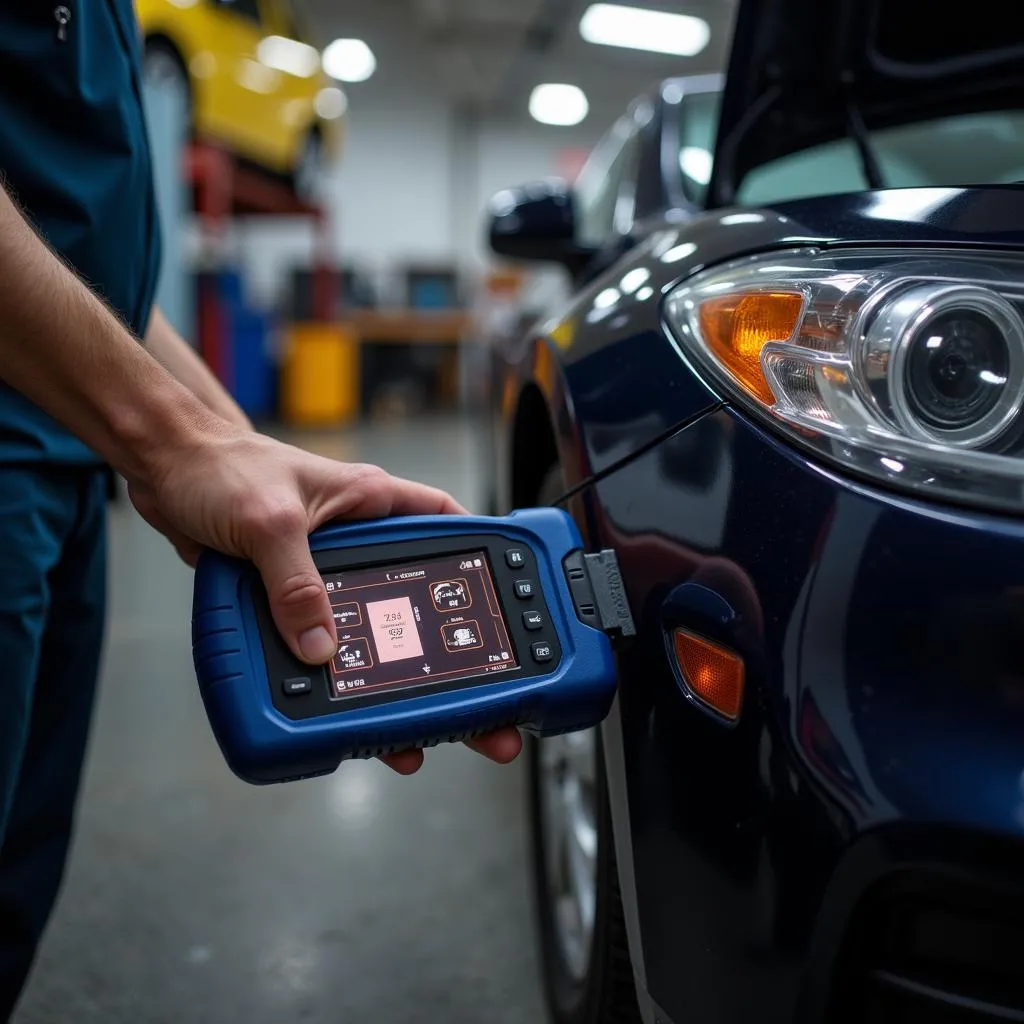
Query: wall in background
[[508, 154], [413, 185], [415, 176]]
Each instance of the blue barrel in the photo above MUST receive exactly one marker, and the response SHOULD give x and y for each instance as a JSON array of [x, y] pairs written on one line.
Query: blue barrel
[[254, 370]]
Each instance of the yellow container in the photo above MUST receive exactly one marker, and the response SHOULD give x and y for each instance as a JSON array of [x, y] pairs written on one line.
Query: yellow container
[[320, 375]]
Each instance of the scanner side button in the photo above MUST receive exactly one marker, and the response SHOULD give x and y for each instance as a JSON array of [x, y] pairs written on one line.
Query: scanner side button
[[515, 558], [542, 652]]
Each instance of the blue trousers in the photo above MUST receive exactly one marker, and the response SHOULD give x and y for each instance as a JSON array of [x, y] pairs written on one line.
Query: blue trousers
[[52, 606]]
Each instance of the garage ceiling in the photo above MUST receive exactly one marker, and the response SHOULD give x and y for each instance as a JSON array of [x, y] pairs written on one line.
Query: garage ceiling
[[488, 54]]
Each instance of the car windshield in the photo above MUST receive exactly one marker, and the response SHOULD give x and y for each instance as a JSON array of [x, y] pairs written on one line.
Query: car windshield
[[966, 149]]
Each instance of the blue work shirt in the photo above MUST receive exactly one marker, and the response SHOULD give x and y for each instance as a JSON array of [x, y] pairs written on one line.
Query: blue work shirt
[[75, 155]]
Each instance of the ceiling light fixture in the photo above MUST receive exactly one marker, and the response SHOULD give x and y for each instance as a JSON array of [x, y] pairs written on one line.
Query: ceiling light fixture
[[288, 55], [637, 28], [349, 60], [559, 104]]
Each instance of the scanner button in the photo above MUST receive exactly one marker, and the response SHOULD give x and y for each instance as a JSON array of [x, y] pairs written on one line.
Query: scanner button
[[297, 687], [525, 589], [515, 558], [533, 621], [542, 652]]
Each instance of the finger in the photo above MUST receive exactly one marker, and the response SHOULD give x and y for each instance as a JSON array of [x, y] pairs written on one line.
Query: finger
[[414, 499], [406, 762], [298, 598], [502, 746], [371, 493]]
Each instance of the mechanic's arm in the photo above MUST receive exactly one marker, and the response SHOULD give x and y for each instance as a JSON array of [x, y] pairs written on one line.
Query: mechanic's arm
[[200, 480], [176, 356]]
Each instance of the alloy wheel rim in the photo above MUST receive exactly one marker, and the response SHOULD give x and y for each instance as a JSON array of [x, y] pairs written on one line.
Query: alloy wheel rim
[[568, 766]]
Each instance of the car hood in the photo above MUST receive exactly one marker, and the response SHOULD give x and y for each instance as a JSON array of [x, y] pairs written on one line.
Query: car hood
[[802, 72]]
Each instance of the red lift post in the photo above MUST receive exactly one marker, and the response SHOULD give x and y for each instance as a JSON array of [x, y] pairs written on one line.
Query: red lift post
[[224, 188]]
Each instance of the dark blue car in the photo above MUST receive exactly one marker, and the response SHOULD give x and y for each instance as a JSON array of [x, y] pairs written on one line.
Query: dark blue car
[[788, 390]]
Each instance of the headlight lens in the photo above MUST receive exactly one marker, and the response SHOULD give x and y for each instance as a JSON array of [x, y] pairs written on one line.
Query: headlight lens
[[957, 372], [908, 366], [950, 362]]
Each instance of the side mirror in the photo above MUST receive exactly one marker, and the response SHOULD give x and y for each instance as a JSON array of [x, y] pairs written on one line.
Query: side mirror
[[537, 223]]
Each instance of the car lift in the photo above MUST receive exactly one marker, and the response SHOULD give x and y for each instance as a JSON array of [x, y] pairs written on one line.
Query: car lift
[[225, 188]]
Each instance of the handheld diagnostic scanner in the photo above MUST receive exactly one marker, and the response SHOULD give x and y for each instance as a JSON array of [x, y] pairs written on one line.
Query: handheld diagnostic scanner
[[448, 627]]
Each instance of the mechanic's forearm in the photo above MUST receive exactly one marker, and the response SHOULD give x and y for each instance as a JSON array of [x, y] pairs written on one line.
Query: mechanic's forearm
[[176, 356], [63, 349]]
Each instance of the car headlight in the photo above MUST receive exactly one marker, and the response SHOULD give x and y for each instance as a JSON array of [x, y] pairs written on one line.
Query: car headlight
[[905, 366]]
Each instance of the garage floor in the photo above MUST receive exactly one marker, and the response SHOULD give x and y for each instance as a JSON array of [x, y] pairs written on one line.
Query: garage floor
[[363, 897]]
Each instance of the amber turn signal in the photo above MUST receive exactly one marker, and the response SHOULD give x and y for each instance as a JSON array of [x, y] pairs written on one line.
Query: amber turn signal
[[714, 674], [737, 327]]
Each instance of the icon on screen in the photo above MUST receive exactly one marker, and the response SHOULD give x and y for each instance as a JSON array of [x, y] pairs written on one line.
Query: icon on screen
[[355, 654], [450, 595], [347, 615], [462, 636], [478, 563]]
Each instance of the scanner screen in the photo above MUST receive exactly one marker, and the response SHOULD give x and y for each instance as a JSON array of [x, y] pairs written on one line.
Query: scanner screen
[[421, 622]]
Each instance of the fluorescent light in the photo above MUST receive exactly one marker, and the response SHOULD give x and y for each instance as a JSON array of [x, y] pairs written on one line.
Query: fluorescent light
[[558, 104], [639, 29], [330, 103], [696, 164], [349, 60], [288, 55]]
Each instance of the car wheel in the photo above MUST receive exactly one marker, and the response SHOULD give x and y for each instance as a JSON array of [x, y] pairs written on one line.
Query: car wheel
[[588, 977], [306, 176]]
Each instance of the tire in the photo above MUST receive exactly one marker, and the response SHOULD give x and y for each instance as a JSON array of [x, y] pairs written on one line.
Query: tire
[[587, 973]]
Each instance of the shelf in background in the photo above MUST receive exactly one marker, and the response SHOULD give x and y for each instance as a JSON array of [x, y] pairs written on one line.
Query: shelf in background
[[409, 326]]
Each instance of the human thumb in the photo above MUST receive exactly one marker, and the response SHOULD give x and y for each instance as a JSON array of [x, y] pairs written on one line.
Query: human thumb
[[298, 598]]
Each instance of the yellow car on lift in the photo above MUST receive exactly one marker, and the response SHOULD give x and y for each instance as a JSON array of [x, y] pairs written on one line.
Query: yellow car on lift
[[253, 84]]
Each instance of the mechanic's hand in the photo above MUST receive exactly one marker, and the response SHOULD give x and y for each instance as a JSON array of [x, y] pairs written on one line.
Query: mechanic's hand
[[252, 497]]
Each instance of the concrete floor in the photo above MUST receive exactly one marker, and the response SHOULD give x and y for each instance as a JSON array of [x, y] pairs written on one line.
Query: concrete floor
[[363, 897]]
